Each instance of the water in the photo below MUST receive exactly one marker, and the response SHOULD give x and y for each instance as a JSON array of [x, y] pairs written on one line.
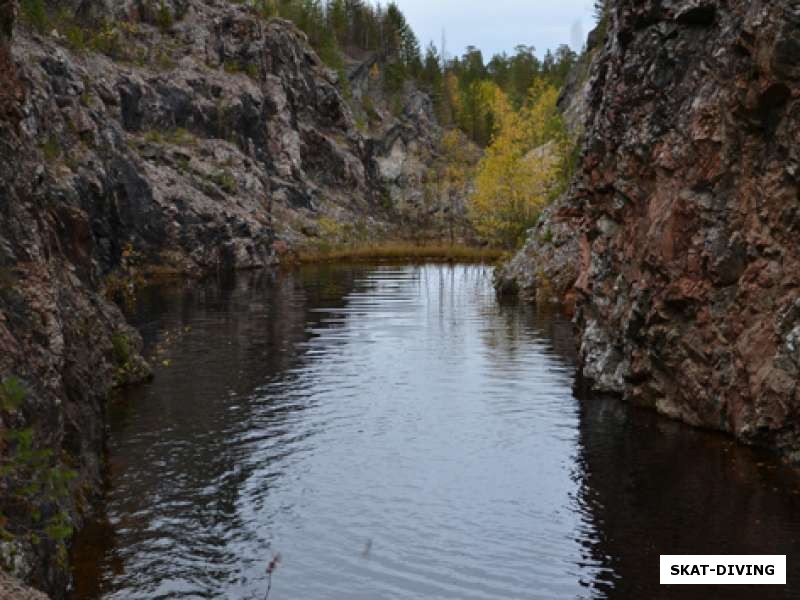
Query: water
[[395, 433]]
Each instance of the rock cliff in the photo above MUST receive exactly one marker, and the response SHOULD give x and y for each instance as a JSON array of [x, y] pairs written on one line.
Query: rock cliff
[[679, 237], [141, 139]]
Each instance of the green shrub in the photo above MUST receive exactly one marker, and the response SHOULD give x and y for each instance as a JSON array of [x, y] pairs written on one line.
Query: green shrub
[[34, 13], [107, 41], [121, 349], [164, 18], [154, 136], [369, 108], [12, 393], [76, 37], [164, 61], [234, 67], [35, 484], [253, 71], [225, 181]]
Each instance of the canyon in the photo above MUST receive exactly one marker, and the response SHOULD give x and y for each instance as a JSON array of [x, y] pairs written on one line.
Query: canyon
[[220, 141]]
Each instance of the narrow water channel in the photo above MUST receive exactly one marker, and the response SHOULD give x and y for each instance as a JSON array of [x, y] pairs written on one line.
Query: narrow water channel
[[396, 433]]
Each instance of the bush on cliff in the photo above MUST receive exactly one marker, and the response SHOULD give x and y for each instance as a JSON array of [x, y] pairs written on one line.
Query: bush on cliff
[[34, 486], [526, 164]]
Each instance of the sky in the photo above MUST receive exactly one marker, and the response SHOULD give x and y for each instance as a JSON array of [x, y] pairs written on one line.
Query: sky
[[500, 25]]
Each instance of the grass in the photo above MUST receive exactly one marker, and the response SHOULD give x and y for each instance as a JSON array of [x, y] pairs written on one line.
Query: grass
[[399, 251], [233, 67], [225, 181]]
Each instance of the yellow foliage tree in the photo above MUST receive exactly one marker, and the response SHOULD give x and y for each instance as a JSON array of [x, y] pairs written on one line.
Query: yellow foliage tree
[[521, 168]]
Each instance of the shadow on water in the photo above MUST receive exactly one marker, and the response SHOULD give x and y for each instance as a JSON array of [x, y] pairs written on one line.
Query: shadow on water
[[402, 410], [653, 486], [215, 342]]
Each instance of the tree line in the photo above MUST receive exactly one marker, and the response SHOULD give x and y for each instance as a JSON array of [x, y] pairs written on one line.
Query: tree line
[[336, 27], [506, 106], [457, 84], [463, 87]]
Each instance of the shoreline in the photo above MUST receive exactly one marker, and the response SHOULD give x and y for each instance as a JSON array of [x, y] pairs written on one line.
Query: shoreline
[[396, 251]]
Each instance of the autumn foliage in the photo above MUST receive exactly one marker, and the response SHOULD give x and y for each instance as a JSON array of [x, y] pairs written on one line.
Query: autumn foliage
[[524, 167]]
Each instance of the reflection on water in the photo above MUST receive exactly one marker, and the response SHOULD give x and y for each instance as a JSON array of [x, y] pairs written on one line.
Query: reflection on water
[[394, 432]]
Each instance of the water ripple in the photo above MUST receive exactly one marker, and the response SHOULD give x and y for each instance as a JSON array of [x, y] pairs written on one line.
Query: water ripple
[[393, 432]]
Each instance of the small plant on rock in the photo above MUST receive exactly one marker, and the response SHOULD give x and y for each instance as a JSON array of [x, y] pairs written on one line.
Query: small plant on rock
[[164, 18], [34, 484], [51, 149], [225, 181]]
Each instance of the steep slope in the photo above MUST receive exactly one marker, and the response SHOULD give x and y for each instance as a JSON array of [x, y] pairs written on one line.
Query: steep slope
[[682, 225], [139, 139]]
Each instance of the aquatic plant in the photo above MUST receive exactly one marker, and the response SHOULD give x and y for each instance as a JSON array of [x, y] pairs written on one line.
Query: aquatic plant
[[271, 566]]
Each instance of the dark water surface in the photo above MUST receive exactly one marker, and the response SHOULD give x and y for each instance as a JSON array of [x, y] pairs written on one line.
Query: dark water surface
[[394, 432]]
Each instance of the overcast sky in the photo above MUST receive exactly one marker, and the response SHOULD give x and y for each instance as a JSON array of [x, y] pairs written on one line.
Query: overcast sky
[[499, 25]]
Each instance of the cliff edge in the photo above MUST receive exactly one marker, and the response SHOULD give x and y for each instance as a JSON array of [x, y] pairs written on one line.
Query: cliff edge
[[678, 238], [142, 139]]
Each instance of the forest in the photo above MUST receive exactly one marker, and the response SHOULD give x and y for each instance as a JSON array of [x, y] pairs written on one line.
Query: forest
[[506, 105]]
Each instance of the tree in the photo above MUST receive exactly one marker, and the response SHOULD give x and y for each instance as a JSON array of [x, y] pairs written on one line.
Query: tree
[[431, 77], [337, 18], [453, 174], [521, 167]]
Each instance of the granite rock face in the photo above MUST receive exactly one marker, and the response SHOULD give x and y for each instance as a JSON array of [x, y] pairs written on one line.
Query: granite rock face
[[132, 145], [686, 217], [12, 589]]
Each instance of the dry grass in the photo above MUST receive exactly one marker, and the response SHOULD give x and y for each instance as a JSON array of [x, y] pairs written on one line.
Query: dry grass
[[400, 251]]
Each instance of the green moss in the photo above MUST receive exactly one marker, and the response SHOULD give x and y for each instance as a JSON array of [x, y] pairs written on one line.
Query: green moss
[[252, 71], [128, 365], [86, 96], [235, 67], [51, 148], [12, 393], [232, 67], [178, 136], [121, 348], [8, 279], [361, 123]]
